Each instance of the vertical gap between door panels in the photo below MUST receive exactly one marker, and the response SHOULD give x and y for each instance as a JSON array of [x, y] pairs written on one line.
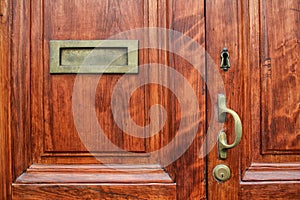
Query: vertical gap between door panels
[[206, 101]]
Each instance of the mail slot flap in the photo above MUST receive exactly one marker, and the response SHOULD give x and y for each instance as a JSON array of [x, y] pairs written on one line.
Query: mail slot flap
[[94, 56]]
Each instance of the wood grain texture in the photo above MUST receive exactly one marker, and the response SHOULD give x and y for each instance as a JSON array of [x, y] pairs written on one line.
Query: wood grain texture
[[64, 21], [280, 76], [264, 155], [54, 137], [94, 182], [256, 82], [5, 134], [94, 191], [262, 86], [36, 81], [223, 30], [273, 172], [20, 87], [187, 17], [270, 190], [36, 174]]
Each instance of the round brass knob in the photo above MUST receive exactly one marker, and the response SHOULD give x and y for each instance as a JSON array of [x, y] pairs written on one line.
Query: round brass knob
[[221, 172]]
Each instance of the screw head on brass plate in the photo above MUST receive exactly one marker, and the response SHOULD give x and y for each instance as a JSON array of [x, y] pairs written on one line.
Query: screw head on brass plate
[[221, 173]]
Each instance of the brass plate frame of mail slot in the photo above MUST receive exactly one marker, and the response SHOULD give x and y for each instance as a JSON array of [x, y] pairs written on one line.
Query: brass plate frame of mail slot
[[56, 47]]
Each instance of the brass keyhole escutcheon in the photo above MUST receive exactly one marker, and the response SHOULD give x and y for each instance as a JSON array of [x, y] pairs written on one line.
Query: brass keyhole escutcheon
[[221, 173], [225, 63]]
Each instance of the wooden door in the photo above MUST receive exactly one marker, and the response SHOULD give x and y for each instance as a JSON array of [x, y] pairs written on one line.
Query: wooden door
[[43, 155], [263, 87], [52, 158]]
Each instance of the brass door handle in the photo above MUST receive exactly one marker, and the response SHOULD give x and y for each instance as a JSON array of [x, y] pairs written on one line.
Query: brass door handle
[[222, 137]]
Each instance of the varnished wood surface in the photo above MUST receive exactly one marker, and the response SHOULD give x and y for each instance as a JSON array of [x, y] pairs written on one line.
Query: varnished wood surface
[[20, 87], [94, 182], [94, 191], [273, 172], [256, 96], [258, 79], [280, 77], [94, 174], [223, 30], [269, 61], [262, 86], [65, 21], [270, 190], [187, 17], [53, 134], [5, 135]]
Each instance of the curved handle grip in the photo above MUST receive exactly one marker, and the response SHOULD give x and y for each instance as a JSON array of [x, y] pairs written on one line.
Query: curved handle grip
[[222, 137]]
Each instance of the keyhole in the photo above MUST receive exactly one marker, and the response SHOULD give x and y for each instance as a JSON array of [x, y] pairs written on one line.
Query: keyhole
[[225, 56], [222, 175], [225, 64]]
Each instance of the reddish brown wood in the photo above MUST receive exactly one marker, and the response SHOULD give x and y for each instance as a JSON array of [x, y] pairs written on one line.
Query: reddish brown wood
[[5, 135], [94, 174], [270, 190], [119, 16], [187, 17], [37, 111], [264, 83], [273, 172], [54, 137], [94, 191], [263, 155], [94, 181], [223, 30], [280, 52], [258, 61], [262, 86], [20, 87]]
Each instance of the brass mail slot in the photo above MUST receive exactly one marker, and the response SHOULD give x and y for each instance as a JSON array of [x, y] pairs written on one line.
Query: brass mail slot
[[94, 56]]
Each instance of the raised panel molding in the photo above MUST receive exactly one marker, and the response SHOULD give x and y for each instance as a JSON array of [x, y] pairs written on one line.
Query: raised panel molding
[[273, 172], [94, 182], [270, 190], [32, 128], [141, 191], [95, 157], [270, 155], [38, 173], [280, 53]]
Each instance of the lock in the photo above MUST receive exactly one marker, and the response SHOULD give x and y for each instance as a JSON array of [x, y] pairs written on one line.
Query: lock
[[225, 64], [221, 173]]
